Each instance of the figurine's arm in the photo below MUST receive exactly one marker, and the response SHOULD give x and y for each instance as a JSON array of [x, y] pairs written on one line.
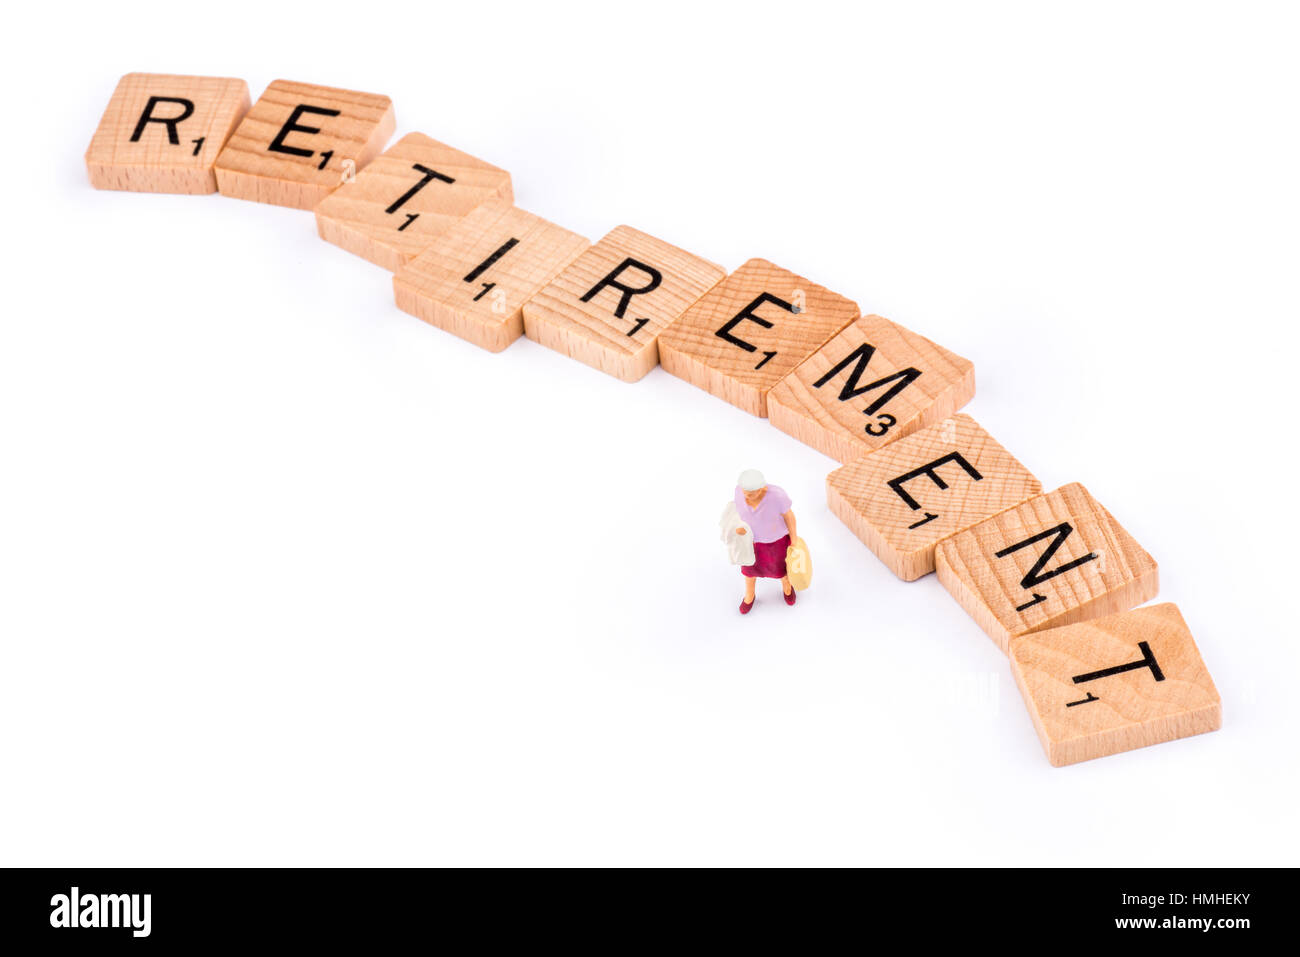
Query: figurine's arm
[[789, 523]]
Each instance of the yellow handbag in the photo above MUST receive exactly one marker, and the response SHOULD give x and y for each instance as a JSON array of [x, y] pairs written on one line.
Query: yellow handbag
[[798, 565]]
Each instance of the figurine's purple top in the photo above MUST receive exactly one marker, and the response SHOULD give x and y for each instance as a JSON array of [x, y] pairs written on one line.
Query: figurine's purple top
[[766, 520]]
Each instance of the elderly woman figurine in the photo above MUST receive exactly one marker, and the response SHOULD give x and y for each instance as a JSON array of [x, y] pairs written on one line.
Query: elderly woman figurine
[[766, 510]]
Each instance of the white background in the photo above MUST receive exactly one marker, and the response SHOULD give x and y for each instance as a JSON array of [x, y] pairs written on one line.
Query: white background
[[289, 577]]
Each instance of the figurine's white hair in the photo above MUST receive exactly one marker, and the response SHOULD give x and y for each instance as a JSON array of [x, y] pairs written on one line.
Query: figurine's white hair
[[751, 480]]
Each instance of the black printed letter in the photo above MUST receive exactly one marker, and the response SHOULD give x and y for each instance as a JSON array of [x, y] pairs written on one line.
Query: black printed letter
[[170, 122], [897, 483], [1148, 660], [488, 263], [291, 125], [748, 315], [861, 356], [628, 291], [1036, 574], [428, 177]]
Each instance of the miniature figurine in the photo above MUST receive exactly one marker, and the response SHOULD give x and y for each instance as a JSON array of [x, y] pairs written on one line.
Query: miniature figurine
[[767, 521]]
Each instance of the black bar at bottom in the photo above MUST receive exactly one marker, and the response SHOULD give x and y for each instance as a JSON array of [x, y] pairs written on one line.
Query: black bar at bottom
[[389, 910]]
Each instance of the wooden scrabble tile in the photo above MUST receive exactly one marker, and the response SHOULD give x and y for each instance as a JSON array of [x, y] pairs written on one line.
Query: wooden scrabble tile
[[299, 142], [610, 305], [1114, 684], [872, 384], [162, 133], [402, 201], [750, 331], [474, 279], [904, 499], [1053, 560]]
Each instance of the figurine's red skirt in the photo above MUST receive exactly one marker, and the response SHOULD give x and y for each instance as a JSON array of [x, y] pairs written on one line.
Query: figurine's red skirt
[[769, 559]]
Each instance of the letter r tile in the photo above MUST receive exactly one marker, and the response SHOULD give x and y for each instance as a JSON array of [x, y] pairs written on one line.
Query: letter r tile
[[1053, 560], [475, 277], [608, 308], [873, 383], [394, 208], [1115, 683], [750, 331], [299, 141], [162, 133]]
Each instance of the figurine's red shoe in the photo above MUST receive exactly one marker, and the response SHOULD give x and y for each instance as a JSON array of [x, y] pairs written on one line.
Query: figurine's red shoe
[[746, 607], [789, 599]]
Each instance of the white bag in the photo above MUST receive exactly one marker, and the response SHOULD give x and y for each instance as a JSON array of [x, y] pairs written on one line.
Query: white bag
[[740, 548]]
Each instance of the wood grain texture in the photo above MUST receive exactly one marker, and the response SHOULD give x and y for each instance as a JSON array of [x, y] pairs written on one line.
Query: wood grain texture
[[255, 166], [609, 331], [872, 384], [158, 157], [395, 207], [744, 336], [474, 278], [904, 499], [1116, 683], [1051, 561]]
